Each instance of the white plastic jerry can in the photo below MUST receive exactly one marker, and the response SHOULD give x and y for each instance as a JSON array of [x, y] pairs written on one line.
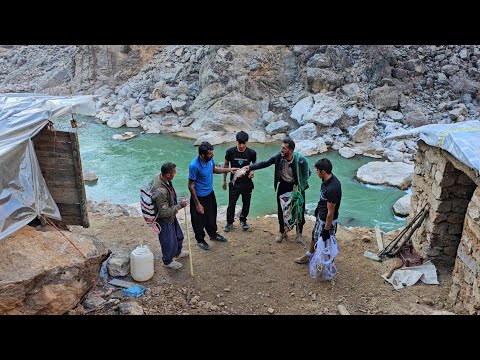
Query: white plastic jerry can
[[141, 263]]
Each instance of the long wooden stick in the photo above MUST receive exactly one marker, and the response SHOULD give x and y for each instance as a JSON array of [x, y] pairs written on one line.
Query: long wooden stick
[[394, 242], [188, 238], [409, 235]]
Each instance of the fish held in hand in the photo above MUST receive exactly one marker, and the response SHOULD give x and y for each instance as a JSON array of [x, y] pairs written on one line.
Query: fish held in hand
[[239, 173]]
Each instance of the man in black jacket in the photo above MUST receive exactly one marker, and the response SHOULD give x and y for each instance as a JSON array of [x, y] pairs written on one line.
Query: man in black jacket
[[286, 177]]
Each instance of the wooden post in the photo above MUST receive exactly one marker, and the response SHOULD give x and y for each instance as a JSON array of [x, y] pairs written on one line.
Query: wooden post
[[79, 175], [378, 236]]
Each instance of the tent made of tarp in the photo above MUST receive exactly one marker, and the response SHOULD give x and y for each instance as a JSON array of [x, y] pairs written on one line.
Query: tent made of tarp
[[462, 140], [24, 194]]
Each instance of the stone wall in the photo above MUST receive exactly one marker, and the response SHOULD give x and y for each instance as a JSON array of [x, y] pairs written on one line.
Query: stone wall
[[451, 232], [465, 291]]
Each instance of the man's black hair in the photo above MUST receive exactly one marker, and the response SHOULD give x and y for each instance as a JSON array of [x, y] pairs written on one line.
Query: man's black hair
[[167, 168], [242, 137], [204, 148], [290, 143], [324, 164]]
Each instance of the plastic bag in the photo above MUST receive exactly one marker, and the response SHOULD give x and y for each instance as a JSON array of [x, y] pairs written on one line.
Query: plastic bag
[[285, 201], [134, 291], [322, 265]]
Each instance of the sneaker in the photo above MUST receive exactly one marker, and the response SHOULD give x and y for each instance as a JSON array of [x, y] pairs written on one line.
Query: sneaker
[[305, 259], [280, 237], [175, 265], [203, 245], [219, 237], [183, 254], [228, 227], [244, 225]]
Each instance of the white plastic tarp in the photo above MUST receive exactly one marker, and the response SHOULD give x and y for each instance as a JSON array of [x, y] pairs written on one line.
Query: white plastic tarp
[[462, 140], [23, 192], [408, 276]]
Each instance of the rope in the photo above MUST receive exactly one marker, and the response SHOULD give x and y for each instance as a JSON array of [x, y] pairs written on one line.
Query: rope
[[51, 223], [296, 201], [95, 278], [156, 228], [445, 133], [296, 197]]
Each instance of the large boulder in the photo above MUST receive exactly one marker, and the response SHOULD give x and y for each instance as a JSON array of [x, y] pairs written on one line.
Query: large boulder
[[386, 173], [323, 79], [385, 98], [326, 111], [277, 127], [402, 205], [118, 119], [230, 113], [352, 92], [301, 108], [363, 132], [305, 132], [311, 147], [41, 272]]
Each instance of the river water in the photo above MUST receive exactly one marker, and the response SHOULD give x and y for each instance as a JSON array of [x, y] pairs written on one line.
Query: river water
[[123, 166]]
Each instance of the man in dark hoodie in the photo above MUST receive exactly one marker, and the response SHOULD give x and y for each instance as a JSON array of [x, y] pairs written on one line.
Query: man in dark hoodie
[[290, 169]]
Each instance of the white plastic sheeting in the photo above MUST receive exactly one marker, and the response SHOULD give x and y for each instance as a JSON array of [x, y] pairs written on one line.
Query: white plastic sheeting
[[462, 140], [408, 276], [23, 192]]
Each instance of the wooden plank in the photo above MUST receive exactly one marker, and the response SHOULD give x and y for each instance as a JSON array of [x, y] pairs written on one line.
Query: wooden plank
[[55, 163], [51, 134], [48, 154], [55, 147], [72, 220], [51, 139], [58, 154], [69, 209], [67, 196], [379, 237], [53, 181], [80, 185], [59, 174]]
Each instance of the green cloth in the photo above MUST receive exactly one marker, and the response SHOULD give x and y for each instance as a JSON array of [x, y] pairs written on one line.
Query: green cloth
[[296, 198], [303, 172]]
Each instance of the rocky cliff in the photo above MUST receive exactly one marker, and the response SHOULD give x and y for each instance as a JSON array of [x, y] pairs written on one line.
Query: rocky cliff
[[345, 96]]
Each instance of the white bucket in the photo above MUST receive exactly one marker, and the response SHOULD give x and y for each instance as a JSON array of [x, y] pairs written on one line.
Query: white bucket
[[141, 263]]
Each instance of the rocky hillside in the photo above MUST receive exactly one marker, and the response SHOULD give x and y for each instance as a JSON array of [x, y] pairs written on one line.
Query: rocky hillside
[[346, 97]]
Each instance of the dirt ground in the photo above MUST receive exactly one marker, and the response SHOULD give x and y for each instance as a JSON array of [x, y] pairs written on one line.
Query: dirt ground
[[252, 274]]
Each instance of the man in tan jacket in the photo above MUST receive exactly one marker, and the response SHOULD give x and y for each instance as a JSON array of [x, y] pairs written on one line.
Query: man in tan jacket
[[165, 197]]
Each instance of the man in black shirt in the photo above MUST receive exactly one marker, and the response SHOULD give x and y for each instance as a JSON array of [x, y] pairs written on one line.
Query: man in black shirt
[[327, 208], [239, 156]]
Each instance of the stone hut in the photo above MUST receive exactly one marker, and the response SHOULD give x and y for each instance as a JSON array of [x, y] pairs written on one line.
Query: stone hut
[[449, 182]]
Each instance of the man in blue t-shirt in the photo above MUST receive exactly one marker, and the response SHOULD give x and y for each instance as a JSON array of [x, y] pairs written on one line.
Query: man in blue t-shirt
[[203, 211]]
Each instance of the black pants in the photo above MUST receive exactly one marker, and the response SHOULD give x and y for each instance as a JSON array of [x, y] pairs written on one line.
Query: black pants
[[234, 191], [207, 220], [284, 187]]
